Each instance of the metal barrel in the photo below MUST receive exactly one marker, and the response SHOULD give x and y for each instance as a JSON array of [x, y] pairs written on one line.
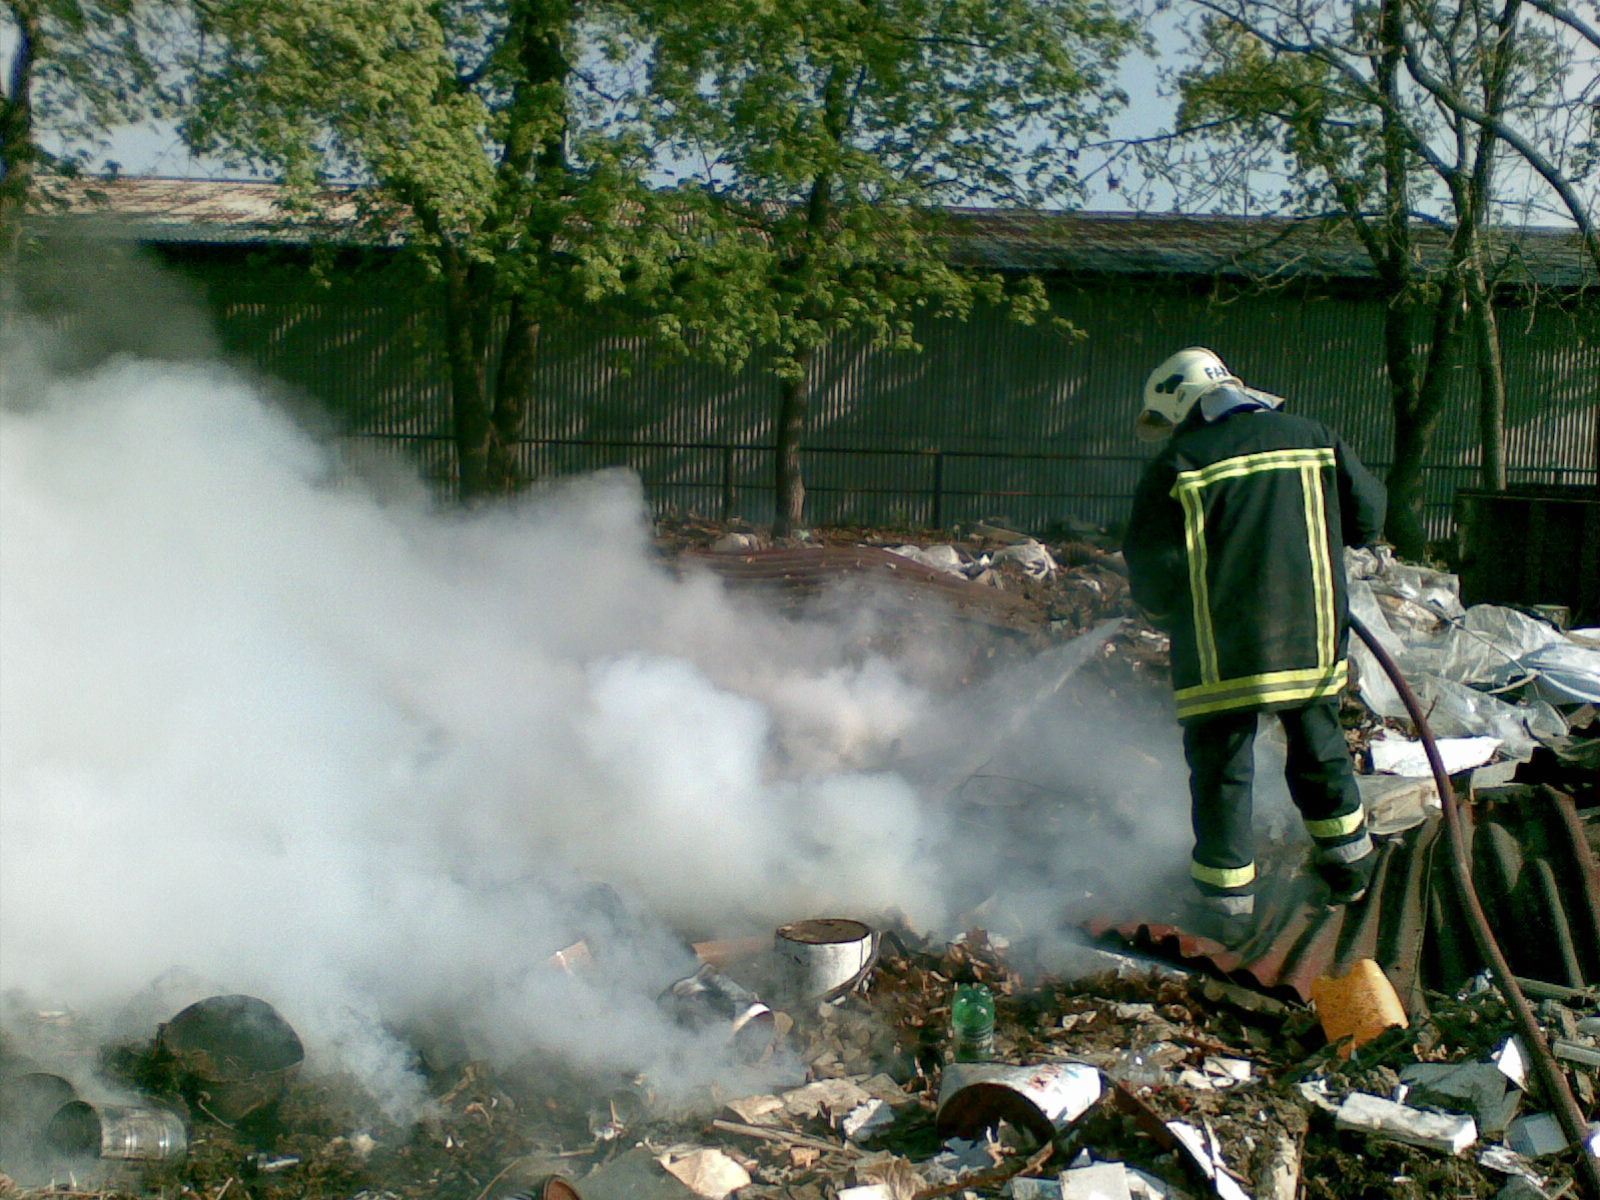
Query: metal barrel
[[825, 957], [1042, 1099], [236, 1054], [144, 1133], [27, 1102]]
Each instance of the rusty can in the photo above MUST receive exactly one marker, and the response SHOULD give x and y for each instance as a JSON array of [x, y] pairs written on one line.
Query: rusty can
[[548, 1187]]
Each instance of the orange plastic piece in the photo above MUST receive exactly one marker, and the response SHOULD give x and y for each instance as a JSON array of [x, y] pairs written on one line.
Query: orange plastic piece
[[1359, 1005]]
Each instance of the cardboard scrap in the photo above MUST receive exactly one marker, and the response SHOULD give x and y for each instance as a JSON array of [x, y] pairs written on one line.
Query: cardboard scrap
[[1512, 1059], [635, 1175], [1207, 1153], [826, 1097], [1477, 1088], [706, 1172], [755, 1110], [1395, 755], [1537, 1135], [861, 1122]]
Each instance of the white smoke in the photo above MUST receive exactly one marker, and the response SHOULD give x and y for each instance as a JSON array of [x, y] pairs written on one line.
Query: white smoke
[[360, 757]]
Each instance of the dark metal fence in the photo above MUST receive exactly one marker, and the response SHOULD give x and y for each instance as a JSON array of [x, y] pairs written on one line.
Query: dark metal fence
[[991, 420]]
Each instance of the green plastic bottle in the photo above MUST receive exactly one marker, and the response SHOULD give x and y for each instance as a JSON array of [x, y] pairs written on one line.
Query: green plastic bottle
[[972, 1024]]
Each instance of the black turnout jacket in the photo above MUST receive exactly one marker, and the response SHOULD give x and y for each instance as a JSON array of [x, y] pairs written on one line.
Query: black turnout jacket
[[1235, 548]]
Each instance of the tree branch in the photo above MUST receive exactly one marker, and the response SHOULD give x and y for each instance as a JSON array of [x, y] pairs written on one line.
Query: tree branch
[[1567, 17], [1530, 153]]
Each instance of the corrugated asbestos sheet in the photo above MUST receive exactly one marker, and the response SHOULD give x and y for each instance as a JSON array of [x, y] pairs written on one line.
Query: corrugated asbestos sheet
[[992, 420], [210, 211], [1534, 872]]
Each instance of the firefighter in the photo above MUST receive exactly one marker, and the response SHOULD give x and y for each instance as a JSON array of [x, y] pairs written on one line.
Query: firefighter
[[1235, 547]]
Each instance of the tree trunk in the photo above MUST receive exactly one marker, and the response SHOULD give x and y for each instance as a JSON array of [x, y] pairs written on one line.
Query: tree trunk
[[1419, 399], [16, 156], [1404, 526], [789, 490], [1491, 385], [470, 404], [513, 391]]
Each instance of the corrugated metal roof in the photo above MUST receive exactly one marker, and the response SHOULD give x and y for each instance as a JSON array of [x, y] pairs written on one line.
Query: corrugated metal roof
[[1211, 244], [1532, 868], [194, 211]]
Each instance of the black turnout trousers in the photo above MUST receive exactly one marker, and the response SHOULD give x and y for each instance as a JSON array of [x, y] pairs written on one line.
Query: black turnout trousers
[[1220, 753]]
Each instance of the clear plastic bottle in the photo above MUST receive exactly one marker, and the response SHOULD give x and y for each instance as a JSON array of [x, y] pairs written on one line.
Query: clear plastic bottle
[[972, 1024]]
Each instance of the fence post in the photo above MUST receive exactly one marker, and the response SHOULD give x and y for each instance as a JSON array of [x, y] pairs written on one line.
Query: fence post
[[938, 489], [727, 484]]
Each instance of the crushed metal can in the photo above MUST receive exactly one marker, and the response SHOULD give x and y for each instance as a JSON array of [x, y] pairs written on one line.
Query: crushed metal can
[[708, 999]]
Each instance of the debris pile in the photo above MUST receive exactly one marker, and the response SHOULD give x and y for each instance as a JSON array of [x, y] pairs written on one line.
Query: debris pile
[[1338, 1054], [1134, 1080]]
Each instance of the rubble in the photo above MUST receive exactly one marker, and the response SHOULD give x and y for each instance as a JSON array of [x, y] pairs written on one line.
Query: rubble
[[1124, 1077], [1222, 1117], [1483, 672]]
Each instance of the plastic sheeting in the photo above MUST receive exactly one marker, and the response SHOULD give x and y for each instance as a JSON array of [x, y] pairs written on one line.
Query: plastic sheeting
[[1485, 671]]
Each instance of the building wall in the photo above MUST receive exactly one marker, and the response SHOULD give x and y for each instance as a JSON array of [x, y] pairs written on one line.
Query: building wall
[[992, 420]]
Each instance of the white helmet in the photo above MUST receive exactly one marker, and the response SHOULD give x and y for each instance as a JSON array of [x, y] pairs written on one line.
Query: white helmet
[[1175, 385]]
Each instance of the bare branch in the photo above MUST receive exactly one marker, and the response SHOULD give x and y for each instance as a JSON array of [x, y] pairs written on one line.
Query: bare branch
[[1569, 18], [1530, 153]]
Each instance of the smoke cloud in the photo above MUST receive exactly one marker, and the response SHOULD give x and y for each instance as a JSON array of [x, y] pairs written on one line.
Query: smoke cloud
[[328, 745]]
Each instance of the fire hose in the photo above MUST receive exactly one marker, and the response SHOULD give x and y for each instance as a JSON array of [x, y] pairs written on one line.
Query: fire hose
[[1546, 1069]]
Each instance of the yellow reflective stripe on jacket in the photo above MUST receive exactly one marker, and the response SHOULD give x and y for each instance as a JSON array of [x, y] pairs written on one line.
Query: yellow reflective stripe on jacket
[[1334, 827], [1249, 464], [1213, 693], [1275, 687], [1321, 565], [1223, 877], [1194, 534]]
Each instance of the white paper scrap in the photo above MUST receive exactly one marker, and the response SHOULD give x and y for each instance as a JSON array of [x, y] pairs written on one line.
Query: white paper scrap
[[1394, 755]]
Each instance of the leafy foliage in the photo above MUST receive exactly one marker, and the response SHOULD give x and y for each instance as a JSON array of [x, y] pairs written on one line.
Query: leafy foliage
[[819, 141], [485, 144]]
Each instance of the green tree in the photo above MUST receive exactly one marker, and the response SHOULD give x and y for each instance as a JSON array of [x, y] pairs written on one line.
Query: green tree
[[1335, 97], [488, 149], [820, 138], [76, 67]]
